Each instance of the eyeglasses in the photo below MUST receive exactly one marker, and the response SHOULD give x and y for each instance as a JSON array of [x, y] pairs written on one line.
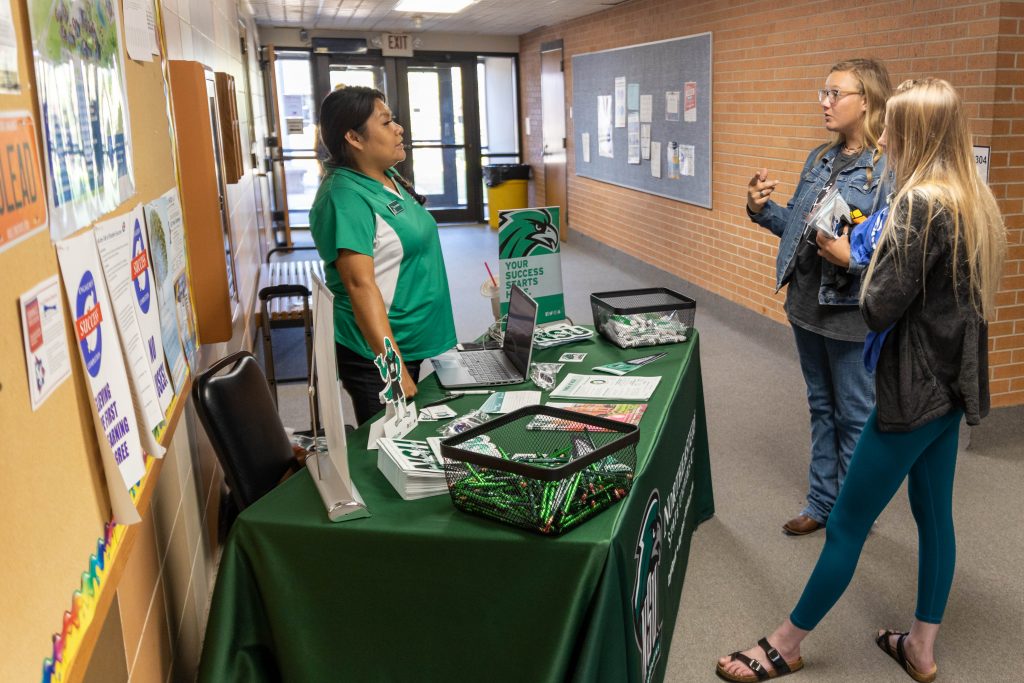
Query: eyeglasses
[[833, 95]]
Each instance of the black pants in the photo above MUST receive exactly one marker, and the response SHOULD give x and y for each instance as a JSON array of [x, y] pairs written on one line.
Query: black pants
[[362, 381]]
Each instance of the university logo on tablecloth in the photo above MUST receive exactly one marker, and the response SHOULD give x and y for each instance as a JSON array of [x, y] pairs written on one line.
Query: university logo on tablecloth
[[646, 614]]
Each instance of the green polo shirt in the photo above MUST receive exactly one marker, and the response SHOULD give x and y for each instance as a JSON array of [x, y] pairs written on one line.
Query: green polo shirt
[[353, 211]]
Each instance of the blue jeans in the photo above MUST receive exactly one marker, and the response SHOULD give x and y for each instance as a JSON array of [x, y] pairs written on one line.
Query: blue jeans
[[840, 395]]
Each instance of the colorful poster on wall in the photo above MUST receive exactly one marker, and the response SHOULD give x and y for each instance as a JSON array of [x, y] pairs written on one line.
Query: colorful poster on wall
[[530, 255], [99, 348], [8, 51], [167, 255], [128, 284], [46, 344], [84, 110], [22, 195]]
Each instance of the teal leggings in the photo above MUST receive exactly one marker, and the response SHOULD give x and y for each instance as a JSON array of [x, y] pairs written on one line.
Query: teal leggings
[[880, 462]]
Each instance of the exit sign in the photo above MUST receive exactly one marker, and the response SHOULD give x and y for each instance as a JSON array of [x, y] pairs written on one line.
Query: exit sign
[[396, 44]]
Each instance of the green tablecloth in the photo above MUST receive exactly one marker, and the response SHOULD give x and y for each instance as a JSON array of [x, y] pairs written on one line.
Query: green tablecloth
[[420, 591]]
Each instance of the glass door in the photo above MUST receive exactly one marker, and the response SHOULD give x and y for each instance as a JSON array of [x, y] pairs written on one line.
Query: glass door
[[295, 110], [440, 114]]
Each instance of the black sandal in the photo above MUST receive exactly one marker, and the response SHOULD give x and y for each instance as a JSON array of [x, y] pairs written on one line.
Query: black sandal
[[900, 655], [780, 667]]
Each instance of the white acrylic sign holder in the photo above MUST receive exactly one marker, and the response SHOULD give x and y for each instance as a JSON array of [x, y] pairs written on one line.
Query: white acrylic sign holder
[[329, 470]]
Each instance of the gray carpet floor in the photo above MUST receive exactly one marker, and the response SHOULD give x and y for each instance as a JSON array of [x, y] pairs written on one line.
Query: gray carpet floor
[[744, 575]]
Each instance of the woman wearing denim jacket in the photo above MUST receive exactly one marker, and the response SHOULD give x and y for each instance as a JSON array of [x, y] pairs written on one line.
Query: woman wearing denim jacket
[[821, 300]]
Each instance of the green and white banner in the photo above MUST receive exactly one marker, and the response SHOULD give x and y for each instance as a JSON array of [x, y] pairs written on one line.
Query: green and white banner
[[529, 253]]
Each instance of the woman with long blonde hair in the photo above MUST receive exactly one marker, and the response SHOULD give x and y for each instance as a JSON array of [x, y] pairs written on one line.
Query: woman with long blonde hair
[[930, 286]]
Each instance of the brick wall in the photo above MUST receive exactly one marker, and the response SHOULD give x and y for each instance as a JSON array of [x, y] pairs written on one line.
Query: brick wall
[[768, 60]]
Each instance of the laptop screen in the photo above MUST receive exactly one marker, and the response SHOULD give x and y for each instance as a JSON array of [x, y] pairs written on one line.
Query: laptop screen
[[522, 318]]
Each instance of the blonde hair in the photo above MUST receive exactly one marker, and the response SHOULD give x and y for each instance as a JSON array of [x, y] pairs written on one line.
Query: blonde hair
[[875, 88], [929, 147]]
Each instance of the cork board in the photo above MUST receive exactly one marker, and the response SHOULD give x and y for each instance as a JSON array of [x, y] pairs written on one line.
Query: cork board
[[52, 484]]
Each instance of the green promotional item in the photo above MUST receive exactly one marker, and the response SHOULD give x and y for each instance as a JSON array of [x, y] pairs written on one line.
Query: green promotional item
[[530, 256]]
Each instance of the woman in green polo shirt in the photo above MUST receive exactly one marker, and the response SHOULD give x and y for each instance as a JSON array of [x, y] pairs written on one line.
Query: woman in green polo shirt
[[381, 251]]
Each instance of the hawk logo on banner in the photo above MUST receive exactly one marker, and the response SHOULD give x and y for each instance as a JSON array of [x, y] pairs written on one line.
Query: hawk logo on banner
[[523, 233], [646, 606], [530, 256]]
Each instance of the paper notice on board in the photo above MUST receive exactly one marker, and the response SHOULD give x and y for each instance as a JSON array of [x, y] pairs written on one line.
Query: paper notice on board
[[167, 251], [633, 97], [633, 138], [690, 102], [646, 108], [99, 348], [134, 261], [585, 147], [605, 148], [672, 105], [645, 140], [138, 32], [8, 51], [655, 159], [114, 242], [46, 345], [686, 160], [620, 102]]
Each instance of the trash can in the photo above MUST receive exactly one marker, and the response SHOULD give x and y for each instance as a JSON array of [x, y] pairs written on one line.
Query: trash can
[[506, 188]]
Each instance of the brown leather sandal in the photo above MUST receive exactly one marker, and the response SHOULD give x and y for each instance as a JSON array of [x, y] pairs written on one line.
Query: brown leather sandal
[[900, 655], [780, 667]]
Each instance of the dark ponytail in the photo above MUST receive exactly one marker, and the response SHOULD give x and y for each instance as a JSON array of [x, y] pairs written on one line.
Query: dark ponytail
[[349, 108]]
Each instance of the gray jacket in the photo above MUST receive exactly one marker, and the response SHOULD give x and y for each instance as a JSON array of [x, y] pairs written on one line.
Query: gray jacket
[[935, 359]]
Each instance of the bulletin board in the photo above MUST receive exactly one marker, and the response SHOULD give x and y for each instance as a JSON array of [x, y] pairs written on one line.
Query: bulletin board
[[679, 66], [53, 486]]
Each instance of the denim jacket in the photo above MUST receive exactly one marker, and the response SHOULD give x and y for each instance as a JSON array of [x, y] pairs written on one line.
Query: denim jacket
[[839, 286]]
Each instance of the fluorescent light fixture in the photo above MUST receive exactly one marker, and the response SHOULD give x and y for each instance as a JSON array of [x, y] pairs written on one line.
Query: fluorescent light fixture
[[433, 6]]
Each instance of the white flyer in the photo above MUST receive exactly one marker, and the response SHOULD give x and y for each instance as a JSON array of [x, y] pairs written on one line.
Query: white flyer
[[625, 388], [645, 140], [687, 158], [672, 105], [655, 159], [143, 286], [646, 108], [585, 147], [620, 102], [605, 147], [690, 101], [114, 243], [8, 51], [633, 138], [138, 29], [46, 345], [99, 348]]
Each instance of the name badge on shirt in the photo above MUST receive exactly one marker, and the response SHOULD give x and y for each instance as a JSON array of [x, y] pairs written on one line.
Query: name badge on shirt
[[396, 207]]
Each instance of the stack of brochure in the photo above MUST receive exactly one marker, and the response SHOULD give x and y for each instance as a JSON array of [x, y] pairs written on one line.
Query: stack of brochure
[[412, 467]]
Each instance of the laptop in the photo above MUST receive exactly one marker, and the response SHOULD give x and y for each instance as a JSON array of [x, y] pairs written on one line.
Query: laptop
[[508, 365]]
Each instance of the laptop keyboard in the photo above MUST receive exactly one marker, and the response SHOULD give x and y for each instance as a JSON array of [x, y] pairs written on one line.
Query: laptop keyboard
[[485, 368]]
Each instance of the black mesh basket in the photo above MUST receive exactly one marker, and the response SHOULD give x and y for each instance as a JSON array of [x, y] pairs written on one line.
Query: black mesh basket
[[541, 468], [643, 317]]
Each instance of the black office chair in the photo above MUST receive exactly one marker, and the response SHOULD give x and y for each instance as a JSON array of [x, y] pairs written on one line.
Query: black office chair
[[238, 411]]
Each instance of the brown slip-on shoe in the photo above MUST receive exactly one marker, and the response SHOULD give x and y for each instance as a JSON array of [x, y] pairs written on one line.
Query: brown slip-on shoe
[[801, 525]]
